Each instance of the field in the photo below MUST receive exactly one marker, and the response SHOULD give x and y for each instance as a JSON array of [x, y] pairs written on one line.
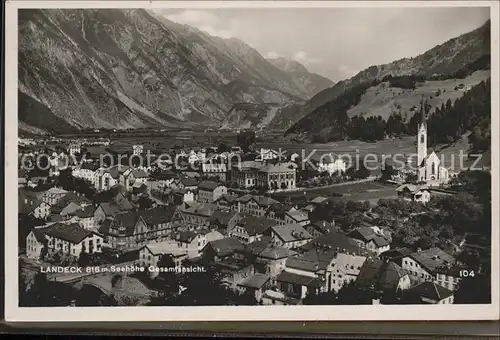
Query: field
[[382, 100], [365, 191]]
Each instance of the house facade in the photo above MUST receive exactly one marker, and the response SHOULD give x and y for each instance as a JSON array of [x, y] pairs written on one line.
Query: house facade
[[71, 240]]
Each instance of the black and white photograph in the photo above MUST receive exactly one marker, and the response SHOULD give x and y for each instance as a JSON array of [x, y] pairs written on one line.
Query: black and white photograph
[[262, 160]]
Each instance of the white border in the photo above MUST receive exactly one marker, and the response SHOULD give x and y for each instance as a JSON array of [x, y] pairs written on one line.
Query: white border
[[229, 313]]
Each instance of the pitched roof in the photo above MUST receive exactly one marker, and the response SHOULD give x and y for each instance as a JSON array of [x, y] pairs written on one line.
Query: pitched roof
[[196, 208], [431, 290], [208, 185], [68, 232], [166, 247], [396, 253], [280, 167], [104, 227], [335, 240], [228, 198], [313, 260], [263, 201], [432, 259], [255, 281], [186, 236], [222, 217], [226, 246], [367, 234], [139, 173], [319, 200], [110, 209], [378, 274], [159, 215], [256, 225], [298, 215], [189, 182], [55, 190], [265, 249], [303, 280], [291, 232], [39, 234], [85, 212]]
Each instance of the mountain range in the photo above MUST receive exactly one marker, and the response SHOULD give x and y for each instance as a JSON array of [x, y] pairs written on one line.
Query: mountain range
[[121, 68], [131, 68], [367, 94]]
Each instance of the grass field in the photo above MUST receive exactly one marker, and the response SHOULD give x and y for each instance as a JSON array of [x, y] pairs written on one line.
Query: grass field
[[365, 191], [382, 100]]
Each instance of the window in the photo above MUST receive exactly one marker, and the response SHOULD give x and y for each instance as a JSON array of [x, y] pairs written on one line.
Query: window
[[422, 137], [433, 168]]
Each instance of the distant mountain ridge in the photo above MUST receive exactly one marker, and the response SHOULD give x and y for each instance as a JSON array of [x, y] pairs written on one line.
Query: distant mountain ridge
[[130, 68], [458, 55]]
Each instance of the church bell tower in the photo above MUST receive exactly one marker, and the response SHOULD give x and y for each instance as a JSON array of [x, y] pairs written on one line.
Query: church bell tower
[[422, 135]]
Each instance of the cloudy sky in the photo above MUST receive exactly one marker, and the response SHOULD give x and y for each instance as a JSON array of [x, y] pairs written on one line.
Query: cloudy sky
[[335, 42]]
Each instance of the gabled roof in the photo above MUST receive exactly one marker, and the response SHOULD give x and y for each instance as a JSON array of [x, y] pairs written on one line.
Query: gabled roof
[[228, 198], [189, 182], [110, 209], [320, 200], [55, 190], [432, 259], [378, 274], [265, 249], [186, 236], [303, 280], [263, 201], [166, 247], [208, 185], [432, 291], [291, 232], [225, 246], [196, 208], [367, 234], [222, 217], [85, 212], [68, 232], [139, 173], [104, 227], [151, 217], [280, 167], [39, 234], [255, 281], [335, 240], [255, 225]]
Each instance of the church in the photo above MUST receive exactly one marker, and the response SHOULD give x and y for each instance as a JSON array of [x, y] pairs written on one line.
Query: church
[[430, 170]]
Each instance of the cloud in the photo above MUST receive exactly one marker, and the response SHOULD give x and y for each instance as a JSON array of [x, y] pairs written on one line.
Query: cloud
[[303, 57], [202, 20], [347, 71], [272, 55]]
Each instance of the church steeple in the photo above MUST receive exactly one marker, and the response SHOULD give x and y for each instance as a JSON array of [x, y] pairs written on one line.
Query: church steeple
[[423, 116], [422, 135]]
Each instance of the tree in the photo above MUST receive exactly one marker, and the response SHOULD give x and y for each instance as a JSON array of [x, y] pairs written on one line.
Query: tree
[[387, 172], [84, 258], [246, 299], [145, 203], [205, 289], [223, 147], [168, 278], [474, 290], [44, 293], [245, 140]]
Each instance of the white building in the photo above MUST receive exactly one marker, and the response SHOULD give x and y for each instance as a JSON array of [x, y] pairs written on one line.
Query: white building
[[71, 239], [430, 169], [137, 149], [331, 165]]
